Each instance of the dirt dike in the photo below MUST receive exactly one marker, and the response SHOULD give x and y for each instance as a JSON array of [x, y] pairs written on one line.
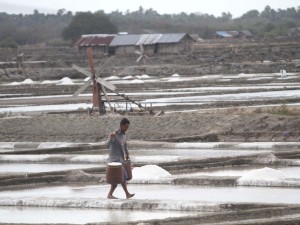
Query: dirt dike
[[207, 58], [170, 127]]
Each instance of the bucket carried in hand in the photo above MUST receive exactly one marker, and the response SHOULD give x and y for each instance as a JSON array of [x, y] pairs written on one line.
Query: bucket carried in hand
[[128, 169], [114, 173]]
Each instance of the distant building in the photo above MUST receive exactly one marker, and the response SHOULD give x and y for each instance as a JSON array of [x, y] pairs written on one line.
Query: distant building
[[175, 43], [233, 34], [245, 33], [152, 43], [123, 44], [98, 42], [223, 34], [129, 43], [294, 32]]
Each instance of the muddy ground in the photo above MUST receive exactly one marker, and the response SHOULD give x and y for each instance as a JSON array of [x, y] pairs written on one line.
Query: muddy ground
[[192, 126]]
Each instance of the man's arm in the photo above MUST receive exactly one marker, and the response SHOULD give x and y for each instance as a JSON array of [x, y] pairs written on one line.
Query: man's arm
[[126, 152], [110, 138]]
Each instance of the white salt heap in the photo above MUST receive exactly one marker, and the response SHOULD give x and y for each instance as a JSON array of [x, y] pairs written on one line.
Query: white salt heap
[[144, 76], [137, 81], [27, 81], [49, 82], [127, 77], [268, 158], [14, 83], [262, 177], [149, 174], [65, 81], [112, 78]]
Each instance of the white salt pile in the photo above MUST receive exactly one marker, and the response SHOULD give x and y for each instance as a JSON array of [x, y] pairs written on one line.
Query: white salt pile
[[262, 177], [112, 78], [53, 145], [175, 75], [271, 159], [268, 158], [65, 81], [174, 79], [49, 82], [14, 83], [27, 81], [144, 76], [135, 81], [127, 77], [149, 174]]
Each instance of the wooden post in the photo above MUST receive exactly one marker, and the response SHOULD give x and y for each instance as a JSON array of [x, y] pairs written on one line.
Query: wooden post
[[97, 100]]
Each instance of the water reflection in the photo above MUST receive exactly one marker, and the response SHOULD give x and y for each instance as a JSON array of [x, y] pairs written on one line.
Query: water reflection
[[34, 215]]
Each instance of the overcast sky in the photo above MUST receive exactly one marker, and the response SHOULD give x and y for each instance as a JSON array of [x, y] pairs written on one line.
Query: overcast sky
[[214, 7]]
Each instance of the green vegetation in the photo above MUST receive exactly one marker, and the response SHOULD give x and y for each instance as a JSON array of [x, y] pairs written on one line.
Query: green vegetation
[[282, 110], [40, 28], [34, 28], [8, 43], [89, 23]]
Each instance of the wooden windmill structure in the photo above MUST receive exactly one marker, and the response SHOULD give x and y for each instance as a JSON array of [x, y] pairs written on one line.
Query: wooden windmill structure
[[99, 85], [142, 55], [19, 59]]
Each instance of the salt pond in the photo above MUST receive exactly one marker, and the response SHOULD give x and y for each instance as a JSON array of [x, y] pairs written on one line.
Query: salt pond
[[290, 172], [137, 156], [163, 193], [34, 215], [9, 168]]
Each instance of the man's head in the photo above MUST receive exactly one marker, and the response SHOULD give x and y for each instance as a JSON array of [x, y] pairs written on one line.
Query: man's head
[[124, 125]]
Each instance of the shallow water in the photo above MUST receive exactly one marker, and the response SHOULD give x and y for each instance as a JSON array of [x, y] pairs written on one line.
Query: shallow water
[[38, 168], [43, 163], [34, 215], [290, 172], [198, 153], [167, 192]]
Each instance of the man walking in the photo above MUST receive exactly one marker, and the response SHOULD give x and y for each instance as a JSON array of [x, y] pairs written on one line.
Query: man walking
[[118, 152]]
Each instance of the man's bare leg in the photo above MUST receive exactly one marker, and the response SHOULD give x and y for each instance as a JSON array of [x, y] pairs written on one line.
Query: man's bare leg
[[124, 186], [111, 191]]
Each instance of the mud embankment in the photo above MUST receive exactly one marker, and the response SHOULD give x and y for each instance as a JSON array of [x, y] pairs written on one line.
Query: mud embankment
[[40, 63]]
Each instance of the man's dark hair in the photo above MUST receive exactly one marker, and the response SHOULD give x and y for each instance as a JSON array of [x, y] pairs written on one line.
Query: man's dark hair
[[124, 121]]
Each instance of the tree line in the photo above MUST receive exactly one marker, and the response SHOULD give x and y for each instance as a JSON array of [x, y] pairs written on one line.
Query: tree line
[[64, 27]]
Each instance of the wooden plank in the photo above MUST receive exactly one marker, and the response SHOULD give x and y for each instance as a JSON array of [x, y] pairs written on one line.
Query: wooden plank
[[82, 70], [82, 88], [103, 89], [106, 84]]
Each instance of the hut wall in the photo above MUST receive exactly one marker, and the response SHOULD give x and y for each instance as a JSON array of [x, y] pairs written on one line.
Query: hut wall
[[185, 45], [148, 49], [121, 50], [98, 49]]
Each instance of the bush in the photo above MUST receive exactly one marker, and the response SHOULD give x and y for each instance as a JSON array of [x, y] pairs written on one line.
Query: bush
[[282, 110], [8, 43], [59, 43]]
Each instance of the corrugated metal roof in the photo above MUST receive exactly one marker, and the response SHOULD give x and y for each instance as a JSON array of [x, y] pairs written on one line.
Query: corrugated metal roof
[[171, 38], [223, 34], [79, 42], [148, 39], [97, 35], [233, 33], [247, 33], [130, 39], [94, 40]]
